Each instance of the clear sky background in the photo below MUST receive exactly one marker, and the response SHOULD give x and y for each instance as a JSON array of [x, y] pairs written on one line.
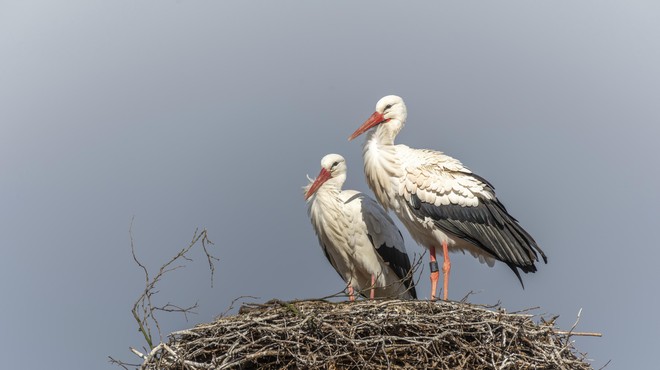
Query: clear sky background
[[210, 114]]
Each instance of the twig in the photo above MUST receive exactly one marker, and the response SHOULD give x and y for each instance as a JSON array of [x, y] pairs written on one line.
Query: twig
[[578, 333], [138, 353], [144, 309], [121, 363], [233, 302], [577, 320]]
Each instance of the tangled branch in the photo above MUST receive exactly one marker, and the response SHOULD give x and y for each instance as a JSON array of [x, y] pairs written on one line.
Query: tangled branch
[[144, 309]]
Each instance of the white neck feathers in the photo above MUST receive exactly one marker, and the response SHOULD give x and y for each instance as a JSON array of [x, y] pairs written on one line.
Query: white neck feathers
[[381, 164]]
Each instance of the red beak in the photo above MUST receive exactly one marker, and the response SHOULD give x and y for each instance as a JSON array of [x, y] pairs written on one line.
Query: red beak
[[374, 120], [323, 176]]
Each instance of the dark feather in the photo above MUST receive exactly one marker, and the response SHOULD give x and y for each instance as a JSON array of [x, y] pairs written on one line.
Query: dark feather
[[398, 262], [332, 262], [488, 226]]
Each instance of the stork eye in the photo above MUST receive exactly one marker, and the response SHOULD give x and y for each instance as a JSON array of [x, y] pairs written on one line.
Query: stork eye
[[334, 165], [388, 106]]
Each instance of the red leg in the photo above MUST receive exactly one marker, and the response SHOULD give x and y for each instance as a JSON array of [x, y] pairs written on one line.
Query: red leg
[[446, 267], [434, 272], [373, 284], [351, 295]]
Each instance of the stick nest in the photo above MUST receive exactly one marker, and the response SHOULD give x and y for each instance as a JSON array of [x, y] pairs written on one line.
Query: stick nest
[[385, 334]]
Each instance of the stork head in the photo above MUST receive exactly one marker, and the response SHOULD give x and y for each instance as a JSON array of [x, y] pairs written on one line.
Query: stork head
[[333, 169], [391, 111]]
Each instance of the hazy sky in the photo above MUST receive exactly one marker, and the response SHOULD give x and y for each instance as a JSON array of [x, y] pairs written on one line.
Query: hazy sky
[[210, 114]]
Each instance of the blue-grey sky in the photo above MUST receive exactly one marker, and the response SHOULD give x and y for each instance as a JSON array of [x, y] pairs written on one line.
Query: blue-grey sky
[[210, 114]]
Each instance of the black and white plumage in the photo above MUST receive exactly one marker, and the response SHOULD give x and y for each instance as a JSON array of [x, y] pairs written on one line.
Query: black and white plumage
[[441, 202], [357, 236]]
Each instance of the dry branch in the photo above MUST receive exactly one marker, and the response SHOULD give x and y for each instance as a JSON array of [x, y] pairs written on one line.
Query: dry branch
[[144, 309], [381, 334]]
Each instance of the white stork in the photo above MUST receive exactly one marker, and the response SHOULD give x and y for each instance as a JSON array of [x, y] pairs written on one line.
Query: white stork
[[440, 202], [357, 236]]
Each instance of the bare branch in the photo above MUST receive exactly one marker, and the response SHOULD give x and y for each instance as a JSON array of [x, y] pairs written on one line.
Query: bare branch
[[233, 302], [579, 333], [464, 299], [122, 364], [144, 309], [571, 332]]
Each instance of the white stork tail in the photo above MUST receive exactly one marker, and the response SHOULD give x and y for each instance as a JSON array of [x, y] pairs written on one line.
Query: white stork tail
[[357, 236], [441, 202]]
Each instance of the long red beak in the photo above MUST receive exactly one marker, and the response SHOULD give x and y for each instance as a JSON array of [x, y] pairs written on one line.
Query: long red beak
[[323, 176], [374, 120]]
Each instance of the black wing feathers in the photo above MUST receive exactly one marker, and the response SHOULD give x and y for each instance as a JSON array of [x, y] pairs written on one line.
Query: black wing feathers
[[332, 262], [488, 226], [398, 262]]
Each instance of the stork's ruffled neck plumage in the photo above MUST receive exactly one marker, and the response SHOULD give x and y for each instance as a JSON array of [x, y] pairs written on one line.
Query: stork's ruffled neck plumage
[[382, 164]]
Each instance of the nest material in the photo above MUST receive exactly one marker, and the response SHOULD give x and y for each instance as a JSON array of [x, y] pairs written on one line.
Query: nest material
[[389, 334]]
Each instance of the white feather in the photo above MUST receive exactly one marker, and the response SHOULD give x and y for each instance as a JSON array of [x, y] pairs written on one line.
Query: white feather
[[344, 221]]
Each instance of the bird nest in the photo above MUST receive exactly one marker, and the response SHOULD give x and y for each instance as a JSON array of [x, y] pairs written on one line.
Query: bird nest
[[380, 334]]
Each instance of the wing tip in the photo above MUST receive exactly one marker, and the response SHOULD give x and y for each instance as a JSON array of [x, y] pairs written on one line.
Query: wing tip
[[525, 269], [411, 290]]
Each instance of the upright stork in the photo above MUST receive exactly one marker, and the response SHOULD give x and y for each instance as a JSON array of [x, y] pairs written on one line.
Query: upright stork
[[441, 202], [357, 236]]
